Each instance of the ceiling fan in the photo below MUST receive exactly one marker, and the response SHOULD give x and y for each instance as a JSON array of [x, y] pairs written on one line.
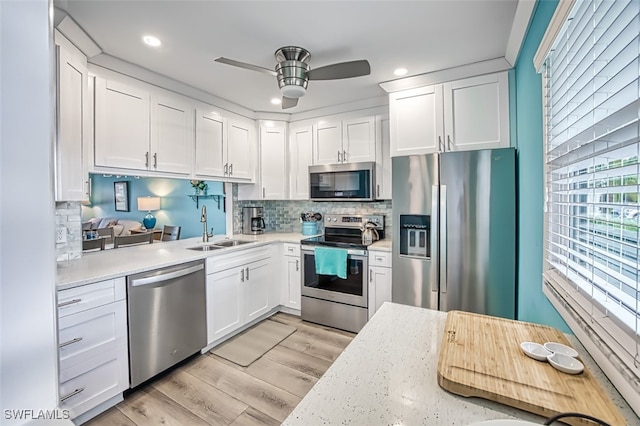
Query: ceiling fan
[[293, 72]]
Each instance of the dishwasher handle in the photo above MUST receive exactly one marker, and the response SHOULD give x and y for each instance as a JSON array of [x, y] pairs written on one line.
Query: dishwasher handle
[[168, 276]]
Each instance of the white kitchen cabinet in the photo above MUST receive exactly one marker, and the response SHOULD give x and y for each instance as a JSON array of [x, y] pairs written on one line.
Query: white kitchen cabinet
[[358, 140], [223, 147], [477, 113], [240, 149], [345, 141], [138, 130], [379, 280], [73, 121], [93, 350], [122, 124], [211, 135], [328, 142], [456, 116], [171, 135], [300, 158], [383, 160], [238, 290], [291, 297], [271, 180]]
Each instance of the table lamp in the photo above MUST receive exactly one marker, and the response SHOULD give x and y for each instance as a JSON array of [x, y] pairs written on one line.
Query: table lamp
[[148, 204]]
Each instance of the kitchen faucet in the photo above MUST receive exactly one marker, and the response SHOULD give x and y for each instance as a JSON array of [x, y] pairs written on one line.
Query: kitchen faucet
[[203, 219]]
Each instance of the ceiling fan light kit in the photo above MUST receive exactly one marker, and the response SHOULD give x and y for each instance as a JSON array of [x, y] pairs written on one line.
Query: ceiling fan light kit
[[293, 72]]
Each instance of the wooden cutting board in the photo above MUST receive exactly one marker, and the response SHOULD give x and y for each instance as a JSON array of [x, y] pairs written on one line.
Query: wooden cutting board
[[481, 356]]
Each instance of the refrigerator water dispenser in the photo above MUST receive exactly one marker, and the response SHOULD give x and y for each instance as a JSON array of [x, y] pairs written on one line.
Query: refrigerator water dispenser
[[415, 236]]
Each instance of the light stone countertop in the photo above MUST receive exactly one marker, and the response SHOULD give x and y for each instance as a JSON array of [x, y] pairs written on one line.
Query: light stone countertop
[[381, 245], [107, 264], [388, 376]]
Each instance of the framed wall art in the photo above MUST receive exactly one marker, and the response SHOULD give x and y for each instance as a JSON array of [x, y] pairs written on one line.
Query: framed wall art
[[121, 196]]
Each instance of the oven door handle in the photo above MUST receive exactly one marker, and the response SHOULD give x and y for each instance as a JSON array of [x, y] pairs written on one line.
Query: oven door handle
[[350, 252]]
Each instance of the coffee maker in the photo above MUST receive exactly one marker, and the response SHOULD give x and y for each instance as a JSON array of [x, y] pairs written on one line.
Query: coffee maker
[[253, 220]]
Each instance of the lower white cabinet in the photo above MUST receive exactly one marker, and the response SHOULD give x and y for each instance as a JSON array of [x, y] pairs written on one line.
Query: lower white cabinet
[[379, 279], [292, 279], [92, 340], [238, 290]]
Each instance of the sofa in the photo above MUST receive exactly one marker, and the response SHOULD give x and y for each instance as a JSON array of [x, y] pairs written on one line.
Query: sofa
[[120, 226]]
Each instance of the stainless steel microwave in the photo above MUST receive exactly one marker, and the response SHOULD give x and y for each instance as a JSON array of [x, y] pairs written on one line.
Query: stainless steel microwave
[[342, 182]]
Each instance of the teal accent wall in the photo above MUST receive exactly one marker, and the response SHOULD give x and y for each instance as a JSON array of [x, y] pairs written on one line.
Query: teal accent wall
[[533, 306], [175, 207]]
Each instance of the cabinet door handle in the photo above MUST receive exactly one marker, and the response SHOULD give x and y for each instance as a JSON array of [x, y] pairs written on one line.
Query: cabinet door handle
[[69, 302], [297, 265], [344, 156], [89, 187], [338, 156], [226, 168], [74, 393], [378, 190], [263, 192], [440, 146], [231, 169], [449, 142], [70, 342], [146, 159], [242, 275], [370, 275], [247, 274], [155, 160]]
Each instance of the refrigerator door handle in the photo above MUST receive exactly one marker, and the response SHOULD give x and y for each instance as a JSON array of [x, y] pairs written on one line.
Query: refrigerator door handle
[[443, 238], [434, 233]]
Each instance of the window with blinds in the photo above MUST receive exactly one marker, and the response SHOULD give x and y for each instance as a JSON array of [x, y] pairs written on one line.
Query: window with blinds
[[592, 212]]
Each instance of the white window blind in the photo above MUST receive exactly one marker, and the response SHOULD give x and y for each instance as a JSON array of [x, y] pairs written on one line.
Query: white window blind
[[592, 150]]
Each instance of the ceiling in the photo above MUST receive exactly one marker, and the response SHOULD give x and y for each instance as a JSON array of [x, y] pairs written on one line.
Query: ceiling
[[421, 36]]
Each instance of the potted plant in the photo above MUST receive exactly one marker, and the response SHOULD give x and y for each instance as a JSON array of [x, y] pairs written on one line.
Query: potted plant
[[199, 186]]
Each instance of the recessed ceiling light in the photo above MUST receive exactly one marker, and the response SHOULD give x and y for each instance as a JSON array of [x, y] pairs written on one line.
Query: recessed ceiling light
[[276, 101], [400, 71], [152, 41]]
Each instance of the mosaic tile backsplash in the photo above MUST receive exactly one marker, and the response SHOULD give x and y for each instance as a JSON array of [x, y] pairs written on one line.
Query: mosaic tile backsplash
[[284, 216], [68, 216]]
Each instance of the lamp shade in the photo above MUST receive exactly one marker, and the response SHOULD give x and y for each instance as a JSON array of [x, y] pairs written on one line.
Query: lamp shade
[[148, 203]]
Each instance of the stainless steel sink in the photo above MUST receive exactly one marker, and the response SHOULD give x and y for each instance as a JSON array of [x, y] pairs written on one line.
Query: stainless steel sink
[[205, 248], [230, 243]]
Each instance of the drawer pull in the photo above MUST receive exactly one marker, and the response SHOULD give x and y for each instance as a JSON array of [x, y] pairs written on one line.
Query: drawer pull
[[379, 259], [70, 342], [290, 249], [69, 302], [74, 393]]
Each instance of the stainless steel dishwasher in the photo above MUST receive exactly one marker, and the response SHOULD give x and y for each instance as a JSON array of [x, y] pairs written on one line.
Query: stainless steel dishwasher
[[167, 318]]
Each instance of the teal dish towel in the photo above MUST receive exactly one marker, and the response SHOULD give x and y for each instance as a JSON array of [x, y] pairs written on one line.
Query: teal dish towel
[[331, 261]]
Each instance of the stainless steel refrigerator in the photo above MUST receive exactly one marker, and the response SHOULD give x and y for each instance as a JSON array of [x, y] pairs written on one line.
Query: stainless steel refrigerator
[[455, 244]]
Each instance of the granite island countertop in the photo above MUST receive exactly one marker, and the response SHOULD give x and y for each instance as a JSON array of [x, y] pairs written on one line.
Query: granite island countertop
[[388, 376]]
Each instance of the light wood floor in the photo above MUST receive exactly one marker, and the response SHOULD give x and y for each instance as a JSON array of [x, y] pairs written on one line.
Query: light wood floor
[[210, 390]]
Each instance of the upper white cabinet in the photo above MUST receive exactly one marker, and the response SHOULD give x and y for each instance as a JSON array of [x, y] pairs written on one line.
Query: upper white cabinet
[[346, 141], [211, 135], [121, 126], [300, 158], [171, 135], [273, 160], [73, 123], [137, 130], [224, 147], [271, 180], [240, 149], [457, 116], [477, 113]]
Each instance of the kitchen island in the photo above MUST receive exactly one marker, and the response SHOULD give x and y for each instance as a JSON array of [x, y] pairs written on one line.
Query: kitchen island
[[388, 376]]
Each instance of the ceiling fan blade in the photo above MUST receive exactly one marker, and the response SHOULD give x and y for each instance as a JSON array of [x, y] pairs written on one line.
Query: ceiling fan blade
[[245, 65], [289, 102], [341, 70]]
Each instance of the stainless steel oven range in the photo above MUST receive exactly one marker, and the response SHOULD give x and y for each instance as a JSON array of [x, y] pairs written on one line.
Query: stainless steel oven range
[[329, 299]]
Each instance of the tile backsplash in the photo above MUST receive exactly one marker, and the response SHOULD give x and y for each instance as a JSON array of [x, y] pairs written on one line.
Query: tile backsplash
[[68, 216], [284, 216]]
